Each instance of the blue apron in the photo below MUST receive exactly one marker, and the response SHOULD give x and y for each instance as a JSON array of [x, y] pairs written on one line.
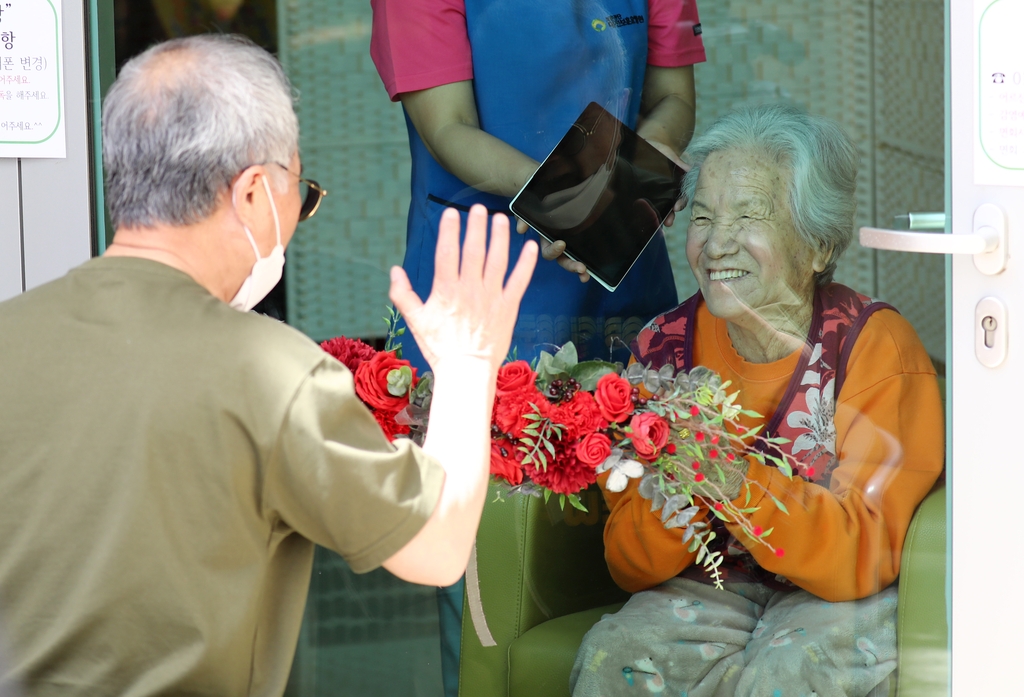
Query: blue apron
[[536, 65]]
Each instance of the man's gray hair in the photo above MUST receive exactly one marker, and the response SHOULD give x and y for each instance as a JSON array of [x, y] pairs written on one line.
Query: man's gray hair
[[821, 161], [184, 119]]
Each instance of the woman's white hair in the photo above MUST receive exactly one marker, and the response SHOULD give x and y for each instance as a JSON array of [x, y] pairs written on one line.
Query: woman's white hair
[[184, 119], [821, 161]]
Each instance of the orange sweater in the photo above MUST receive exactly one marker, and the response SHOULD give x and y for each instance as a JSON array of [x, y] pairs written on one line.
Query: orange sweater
[[840, 543]]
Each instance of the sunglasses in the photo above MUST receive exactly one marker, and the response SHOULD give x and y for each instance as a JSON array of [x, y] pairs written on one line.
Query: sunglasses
[[311, 192]]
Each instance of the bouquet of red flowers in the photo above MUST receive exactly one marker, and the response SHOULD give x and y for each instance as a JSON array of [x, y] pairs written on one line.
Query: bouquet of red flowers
[[559, 424]]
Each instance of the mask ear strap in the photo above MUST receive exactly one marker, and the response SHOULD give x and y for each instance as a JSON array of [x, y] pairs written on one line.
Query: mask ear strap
[[248, 233], [273, 207]]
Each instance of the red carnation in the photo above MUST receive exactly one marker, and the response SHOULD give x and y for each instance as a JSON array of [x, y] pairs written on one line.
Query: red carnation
[[505, 462], [586, 414], [510, 409], [515, 377], [650, 434], [387, 423], [372, 382], [351, 352], [614, 397], [565, 474], [594, 449]]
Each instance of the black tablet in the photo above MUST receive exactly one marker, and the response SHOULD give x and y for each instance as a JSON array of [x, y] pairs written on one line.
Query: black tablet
[[605, 191]]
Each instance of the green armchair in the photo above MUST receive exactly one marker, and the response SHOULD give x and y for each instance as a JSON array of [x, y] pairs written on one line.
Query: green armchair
[[544, 583]]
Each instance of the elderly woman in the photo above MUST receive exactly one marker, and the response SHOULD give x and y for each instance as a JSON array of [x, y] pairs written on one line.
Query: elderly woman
[[843, 377]]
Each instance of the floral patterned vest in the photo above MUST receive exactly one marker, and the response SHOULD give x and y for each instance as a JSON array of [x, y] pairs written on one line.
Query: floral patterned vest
[[805, 416]]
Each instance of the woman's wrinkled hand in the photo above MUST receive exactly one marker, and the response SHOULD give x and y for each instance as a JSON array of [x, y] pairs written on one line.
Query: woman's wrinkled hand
[[471, 310], [712, 488]]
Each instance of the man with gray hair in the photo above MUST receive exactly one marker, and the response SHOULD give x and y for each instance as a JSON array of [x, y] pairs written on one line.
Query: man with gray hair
[[166, 462]]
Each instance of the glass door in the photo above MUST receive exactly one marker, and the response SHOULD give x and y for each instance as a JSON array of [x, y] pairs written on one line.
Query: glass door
[[875, 67], [985, 134]]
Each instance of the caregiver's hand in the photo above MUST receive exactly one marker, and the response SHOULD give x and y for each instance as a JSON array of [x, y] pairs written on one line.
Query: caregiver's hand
[[471, 311], [555, 251], [668, 152]]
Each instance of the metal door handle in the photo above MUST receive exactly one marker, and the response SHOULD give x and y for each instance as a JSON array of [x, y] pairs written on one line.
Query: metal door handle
[[987, 242], [924, 222]]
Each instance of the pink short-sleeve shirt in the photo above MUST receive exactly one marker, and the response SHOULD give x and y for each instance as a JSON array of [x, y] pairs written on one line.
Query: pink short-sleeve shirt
[[404, 31]]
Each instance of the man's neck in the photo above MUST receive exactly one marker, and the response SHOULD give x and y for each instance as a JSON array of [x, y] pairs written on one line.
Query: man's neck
[[197, 250]]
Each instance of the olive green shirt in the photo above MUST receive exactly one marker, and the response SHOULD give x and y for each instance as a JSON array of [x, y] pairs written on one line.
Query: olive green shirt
[[166, 464]]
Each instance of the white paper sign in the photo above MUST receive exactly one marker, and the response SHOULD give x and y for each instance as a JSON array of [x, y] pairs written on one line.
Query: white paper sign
[[999, 132], [31, 79]]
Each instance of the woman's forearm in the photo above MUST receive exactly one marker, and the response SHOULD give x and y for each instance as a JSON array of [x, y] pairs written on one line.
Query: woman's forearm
[[446, 119], [481, 160], [668, 107]]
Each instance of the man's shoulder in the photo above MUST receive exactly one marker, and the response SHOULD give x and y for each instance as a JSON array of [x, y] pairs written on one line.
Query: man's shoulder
[[161, 312]]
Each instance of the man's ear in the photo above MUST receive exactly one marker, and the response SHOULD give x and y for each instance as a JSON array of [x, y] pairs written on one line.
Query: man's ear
[[243, 193]]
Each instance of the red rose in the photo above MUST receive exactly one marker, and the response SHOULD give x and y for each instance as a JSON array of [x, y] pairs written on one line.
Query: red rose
[[585, 413], [504, 462], [650, 434], [594, 449], [387, 423], [372, 382], [565, 473], [351, 352], [614, 397], [515, 377], [510, 409]]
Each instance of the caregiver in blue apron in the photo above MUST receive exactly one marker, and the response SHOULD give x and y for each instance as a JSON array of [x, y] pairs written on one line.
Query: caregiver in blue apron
[[489, 87]]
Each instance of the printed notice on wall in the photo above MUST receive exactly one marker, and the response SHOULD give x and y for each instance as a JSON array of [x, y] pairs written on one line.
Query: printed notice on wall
[[31, 79], [999, 132]]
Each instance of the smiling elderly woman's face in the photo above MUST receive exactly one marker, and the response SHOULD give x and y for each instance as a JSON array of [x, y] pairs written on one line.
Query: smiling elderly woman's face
[[742, 244]]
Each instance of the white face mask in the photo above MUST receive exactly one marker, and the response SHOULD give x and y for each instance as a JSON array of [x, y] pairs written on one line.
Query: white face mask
[[266, 272]]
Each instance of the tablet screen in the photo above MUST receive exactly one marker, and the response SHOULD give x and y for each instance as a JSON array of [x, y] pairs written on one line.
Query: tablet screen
[[604, 191]]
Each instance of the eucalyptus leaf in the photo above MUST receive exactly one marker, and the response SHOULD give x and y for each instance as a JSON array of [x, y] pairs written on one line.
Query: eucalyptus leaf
[[634, 373], [688, 535], [399, 381], [650, 490], [412, 415], [531, 489], [672, 506], [683, 518], [652, 381], [610, 461], [694, 543], [666, 377]]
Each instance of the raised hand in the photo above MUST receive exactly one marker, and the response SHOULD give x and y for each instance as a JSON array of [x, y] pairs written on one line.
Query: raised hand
[[471, 311]]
